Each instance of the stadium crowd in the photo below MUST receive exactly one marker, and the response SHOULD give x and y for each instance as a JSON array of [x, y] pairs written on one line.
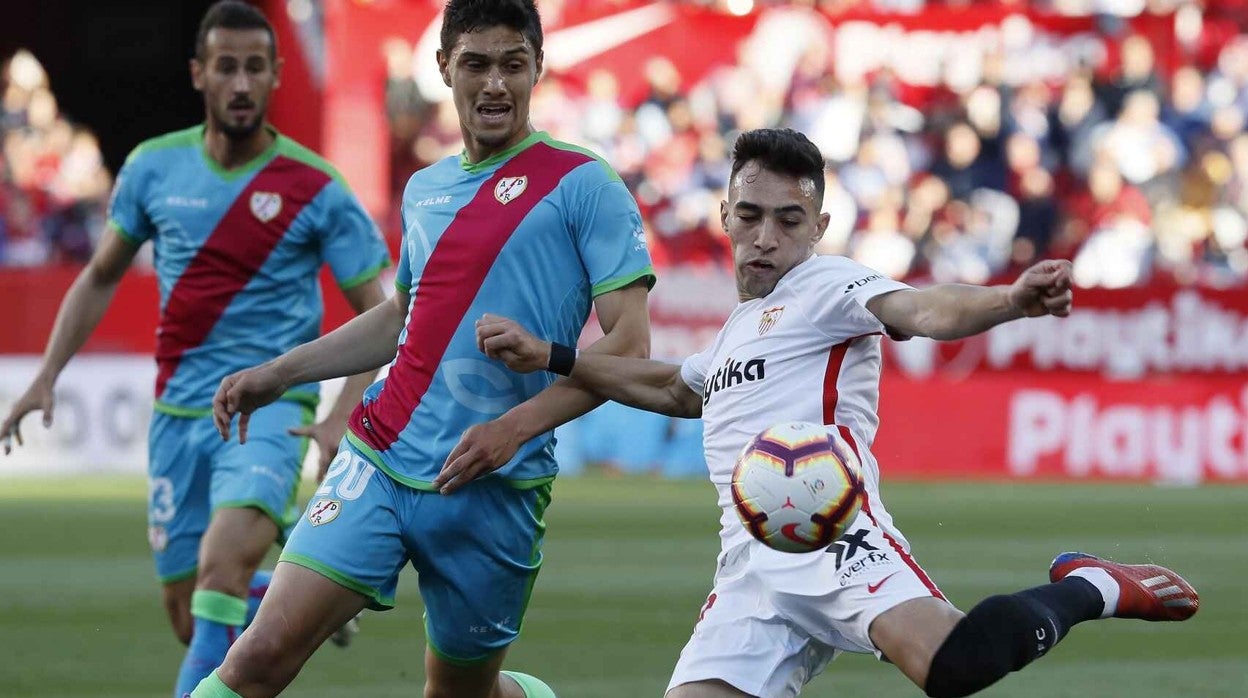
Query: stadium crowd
[[1130, 172], [53, 183]]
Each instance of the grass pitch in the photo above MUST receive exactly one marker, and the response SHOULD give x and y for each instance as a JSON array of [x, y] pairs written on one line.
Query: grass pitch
[[628, 564]]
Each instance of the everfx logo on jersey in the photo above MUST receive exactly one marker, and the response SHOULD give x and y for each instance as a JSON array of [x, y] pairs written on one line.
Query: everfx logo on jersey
[[265, 205], [509, 188], [769, 319], [734, 373]]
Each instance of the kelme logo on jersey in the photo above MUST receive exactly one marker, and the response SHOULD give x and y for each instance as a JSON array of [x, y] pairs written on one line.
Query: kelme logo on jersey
[[323, 511], [734, 373], [509, 188], [265, 205], [769, 319]]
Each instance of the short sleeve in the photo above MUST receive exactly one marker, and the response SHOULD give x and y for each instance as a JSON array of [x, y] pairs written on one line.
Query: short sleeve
[[126, 213], [350, 242], [610, 237], [839, 308]]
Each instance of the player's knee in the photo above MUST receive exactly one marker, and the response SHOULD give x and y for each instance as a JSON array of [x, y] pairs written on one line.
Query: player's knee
[[261, 658]]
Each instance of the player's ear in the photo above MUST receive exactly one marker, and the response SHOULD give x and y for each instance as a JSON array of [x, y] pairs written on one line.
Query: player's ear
[[197, 74], [538, 73], [444, 67], [723, 214], [278, 63], [821, 227]]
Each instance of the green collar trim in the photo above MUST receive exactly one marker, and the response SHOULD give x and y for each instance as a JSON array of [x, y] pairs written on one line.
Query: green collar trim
[[246, 168], [476, 167]]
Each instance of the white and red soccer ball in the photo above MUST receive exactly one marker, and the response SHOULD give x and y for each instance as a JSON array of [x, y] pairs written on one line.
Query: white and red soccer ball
[[797, 486]]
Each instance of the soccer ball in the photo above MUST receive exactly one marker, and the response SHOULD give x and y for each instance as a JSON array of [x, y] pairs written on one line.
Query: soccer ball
[[797, 487]]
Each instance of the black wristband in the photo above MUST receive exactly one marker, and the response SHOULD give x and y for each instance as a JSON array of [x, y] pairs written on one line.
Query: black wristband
[[562, 357]]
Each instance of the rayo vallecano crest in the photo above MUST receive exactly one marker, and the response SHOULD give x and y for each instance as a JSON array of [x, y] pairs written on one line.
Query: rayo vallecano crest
[[770, 317], [265, 205], [508, 188]]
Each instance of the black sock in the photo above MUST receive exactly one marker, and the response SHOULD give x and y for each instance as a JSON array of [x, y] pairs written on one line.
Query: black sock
[[1006, 633]]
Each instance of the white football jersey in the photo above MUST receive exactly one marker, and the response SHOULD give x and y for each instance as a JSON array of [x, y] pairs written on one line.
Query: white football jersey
[[809, 351]]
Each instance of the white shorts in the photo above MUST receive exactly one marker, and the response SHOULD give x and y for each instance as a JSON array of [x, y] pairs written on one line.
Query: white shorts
[[774, 620]]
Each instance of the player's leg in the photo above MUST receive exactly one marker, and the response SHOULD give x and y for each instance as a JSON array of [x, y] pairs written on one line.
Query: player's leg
[[300, 611], [344, 554], [743, 643], [475, 580], [177, 514], [252, 494], [949, 655]]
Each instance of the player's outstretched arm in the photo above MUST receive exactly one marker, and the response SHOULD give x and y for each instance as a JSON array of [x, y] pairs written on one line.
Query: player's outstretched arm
[[327, 433], [81, 310], [954, 311], [655, 386], [365, 343]]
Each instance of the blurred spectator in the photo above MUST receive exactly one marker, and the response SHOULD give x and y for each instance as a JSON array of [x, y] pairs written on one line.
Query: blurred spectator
[[53, 185]]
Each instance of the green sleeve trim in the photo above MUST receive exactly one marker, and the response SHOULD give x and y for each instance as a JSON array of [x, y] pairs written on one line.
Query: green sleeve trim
[[218, 607], [621, 281], [281, 521], [402, 287], [125, 234], [380, 603], [213, 687], [178, 576], [364, 276], [302, 397], [451, 659], [179, 411]]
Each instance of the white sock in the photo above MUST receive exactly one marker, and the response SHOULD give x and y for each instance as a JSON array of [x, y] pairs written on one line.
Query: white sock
[[1104, 583]]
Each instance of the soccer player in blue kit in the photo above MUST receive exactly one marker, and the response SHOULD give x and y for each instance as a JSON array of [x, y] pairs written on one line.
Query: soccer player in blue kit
[[241, 218], [517, 223]]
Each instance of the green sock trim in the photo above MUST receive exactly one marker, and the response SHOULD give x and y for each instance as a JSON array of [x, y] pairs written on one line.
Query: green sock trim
[[532, 686], [218, 607], [213, 687]]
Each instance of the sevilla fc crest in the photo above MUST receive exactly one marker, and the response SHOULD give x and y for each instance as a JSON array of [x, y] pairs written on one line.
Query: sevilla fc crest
[[265, 205], [508, 188], [770, 317]]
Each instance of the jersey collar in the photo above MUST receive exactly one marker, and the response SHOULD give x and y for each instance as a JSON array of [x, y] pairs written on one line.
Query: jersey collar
[[246, 168], [476, 167]]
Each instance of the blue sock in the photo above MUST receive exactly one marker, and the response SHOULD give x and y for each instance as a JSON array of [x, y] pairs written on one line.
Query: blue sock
[[255, 591], [218, 621]]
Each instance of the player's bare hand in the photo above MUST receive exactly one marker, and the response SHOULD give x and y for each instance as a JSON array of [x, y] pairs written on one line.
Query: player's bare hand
[[505, 340], [482, 449], [326, 435], [37, 397], [243, 393], [1044, 289]]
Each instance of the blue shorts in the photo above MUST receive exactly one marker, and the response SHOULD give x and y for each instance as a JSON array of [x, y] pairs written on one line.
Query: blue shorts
[[192, 473], [477, 552]]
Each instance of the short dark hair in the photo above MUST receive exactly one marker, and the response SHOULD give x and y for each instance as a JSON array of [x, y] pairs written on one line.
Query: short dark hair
[[472, 15], [783, 151], [232, 14]]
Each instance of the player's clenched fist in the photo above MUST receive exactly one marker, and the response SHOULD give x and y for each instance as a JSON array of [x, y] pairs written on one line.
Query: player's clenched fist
[[243, 393], [1044, 289], [505, 340]]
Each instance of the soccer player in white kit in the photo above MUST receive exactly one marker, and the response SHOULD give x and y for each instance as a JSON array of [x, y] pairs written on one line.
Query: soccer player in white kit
[[804, 345]]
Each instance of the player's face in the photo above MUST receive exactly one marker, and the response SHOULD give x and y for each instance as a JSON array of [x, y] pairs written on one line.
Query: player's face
[[491, 73], [773, 221], [237, 74]]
